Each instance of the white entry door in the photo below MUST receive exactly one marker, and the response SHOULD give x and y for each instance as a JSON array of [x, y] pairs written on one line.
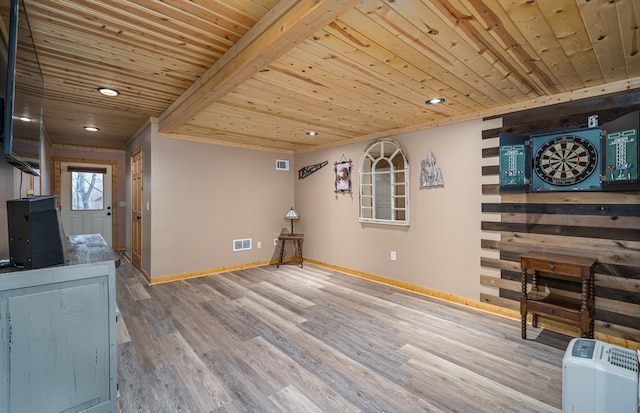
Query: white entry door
[[85, 199]]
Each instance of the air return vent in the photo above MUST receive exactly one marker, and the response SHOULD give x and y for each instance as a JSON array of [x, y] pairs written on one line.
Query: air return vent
[[242, 244], [623, 358], [282, 165]]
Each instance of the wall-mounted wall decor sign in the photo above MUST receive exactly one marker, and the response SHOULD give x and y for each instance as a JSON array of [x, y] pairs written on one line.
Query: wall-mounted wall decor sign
[[308, 170], [343, 176], [430, 174]]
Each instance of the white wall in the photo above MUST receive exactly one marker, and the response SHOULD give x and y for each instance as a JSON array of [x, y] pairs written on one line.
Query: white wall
[[441, 247], [201, 197]]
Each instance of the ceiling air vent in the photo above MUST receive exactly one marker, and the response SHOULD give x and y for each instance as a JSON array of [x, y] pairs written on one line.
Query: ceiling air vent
[[282, 165]]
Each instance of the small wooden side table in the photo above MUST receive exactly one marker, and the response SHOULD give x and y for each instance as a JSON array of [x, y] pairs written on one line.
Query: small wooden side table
[[297, 239], [578, 312]]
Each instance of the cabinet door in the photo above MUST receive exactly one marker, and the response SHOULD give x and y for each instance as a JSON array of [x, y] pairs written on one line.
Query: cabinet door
[[621, 153], [515, 161], [57, 353]]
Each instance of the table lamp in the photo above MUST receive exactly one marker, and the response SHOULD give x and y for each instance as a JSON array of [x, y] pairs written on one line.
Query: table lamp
[[292, 215]]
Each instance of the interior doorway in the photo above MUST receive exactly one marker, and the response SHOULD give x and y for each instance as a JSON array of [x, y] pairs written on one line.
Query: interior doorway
[[136, 208]]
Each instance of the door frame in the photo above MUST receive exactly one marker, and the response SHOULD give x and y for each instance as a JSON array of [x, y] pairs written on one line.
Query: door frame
[[57, 188]]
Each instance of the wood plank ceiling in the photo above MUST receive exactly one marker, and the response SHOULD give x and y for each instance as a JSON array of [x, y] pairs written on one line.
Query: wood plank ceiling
[[262, 73]]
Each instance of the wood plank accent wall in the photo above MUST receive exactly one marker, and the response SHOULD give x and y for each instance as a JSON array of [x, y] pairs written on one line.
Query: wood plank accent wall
[[605, 225]]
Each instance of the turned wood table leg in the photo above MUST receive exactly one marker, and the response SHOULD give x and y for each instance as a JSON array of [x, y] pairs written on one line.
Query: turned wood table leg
[[592, 306], [523, 304], [300, 252], [584, 316], [534, 287], [281, 253], [587, 308]]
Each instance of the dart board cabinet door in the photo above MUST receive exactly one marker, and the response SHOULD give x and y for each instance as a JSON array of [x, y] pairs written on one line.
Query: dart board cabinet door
[[621, 153], [515, 161]]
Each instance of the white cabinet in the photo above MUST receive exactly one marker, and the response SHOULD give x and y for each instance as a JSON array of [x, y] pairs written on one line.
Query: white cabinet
[[58, 349]]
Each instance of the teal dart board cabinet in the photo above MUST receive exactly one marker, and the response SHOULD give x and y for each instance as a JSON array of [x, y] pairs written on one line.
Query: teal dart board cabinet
[[603, 158]]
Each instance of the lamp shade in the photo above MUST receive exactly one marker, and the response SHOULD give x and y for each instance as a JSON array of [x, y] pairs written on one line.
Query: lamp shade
[[292, 214]]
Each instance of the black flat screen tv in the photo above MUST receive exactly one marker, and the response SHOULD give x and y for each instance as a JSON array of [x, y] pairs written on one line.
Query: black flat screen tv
[[22, 93]]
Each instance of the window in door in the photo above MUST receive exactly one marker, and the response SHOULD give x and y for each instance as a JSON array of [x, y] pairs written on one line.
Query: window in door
[[384, 184], [87, 190]]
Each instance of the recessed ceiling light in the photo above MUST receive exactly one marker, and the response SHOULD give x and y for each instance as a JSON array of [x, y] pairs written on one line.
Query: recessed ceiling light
[[91, 129], [312, 133], [107, 91], [434, 101]]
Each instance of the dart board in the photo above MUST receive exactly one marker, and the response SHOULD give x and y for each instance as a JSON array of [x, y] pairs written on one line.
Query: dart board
[[567, 162]]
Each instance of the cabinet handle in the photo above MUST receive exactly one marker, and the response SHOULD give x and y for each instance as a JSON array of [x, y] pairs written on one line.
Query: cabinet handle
[[552, 266]]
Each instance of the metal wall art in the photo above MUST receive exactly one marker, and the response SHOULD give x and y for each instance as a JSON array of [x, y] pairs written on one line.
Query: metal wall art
[[308, 170], [430, 175]]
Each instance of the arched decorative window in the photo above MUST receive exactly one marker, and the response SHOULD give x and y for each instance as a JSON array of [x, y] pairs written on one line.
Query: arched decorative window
[[384, 184]]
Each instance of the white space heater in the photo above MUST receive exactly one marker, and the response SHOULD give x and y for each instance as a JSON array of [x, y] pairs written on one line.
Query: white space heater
[[599, 377]]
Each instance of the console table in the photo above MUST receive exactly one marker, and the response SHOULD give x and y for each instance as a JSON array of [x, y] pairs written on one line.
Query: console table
[[578, 312], [297, 239]]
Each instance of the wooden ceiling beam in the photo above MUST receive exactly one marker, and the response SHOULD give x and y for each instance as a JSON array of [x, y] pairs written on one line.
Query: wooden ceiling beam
[[274, 35]]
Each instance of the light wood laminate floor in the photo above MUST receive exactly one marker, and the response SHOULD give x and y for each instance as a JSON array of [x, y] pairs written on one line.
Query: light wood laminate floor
[[313, 340]]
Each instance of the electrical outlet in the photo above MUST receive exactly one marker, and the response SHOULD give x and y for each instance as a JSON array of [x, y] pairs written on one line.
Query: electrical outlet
[[393, 256], [259, 244]]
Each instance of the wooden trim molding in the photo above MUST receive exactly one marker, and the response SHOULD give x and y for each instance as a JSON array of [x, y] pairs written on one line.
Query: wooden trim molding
[[201, 273]]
